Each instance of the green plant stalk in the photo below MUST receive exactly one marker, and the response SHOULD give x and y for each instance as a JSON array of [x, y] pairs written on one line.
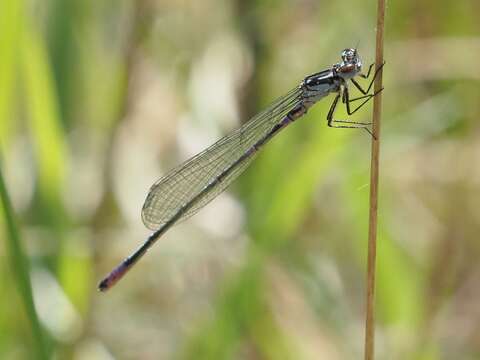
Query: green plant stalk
[[20, 268]]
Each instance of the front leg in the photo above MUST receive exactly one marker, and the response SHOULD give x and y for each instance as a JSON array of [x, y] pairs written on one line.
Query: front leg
[[368, 72], [357, 85]]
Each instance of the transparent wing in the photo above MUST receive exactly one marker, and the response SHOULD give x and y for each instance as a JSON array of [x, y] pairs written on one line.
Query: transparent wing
[[181, 184]]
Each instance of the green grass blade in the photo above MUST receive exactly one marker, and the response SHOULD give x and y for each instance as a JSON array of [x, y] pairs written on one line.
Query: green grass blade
[[44, 115], [10, 18], [20, 268]]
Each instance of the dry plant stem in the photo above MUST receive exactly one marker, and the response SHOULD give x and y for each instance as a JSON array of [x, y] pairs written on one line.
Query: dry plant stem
[[374, 171]]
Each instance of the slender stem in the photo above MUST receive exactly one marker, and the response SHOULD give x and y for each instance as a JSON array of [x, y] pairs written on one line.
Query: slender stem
[[374, 171]]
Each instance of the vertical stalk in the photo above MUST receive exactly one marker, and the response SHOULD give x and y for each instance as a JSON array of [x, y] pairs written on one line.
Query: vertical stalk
[[374, 174]]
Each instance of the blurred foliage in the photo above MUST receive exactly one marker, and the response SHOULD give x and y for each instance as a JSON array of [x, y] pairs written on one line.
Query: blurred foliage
[[99, 99]]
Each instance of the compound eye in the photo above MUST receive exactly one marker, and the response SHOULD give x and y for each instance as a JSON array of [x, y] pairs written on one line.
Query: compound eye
[[348, 55]]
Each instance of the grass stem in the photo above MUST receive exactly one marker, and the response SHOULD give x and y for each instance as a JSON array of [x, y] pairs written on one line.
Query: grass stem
[[374, 174]]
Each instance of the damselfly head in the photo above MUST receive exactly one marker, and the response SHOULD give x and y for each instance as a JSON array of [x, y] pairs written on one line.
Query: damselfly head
[[351, 64]]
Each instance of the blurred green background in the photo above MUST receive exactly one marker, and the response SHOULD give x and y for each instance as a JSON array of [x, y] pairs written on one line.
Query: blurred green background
[[98, 99]]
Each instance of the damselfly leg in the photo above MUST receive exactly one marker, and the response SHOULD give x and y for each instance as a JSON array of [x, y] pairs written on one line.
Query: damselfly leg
[[359, 87], [351, 124], [344, 93], [346, 100]]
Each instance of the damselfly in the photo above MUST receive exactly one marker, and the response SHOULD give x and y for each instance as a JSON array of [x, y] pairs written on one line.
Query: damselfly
[[189, 187]]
